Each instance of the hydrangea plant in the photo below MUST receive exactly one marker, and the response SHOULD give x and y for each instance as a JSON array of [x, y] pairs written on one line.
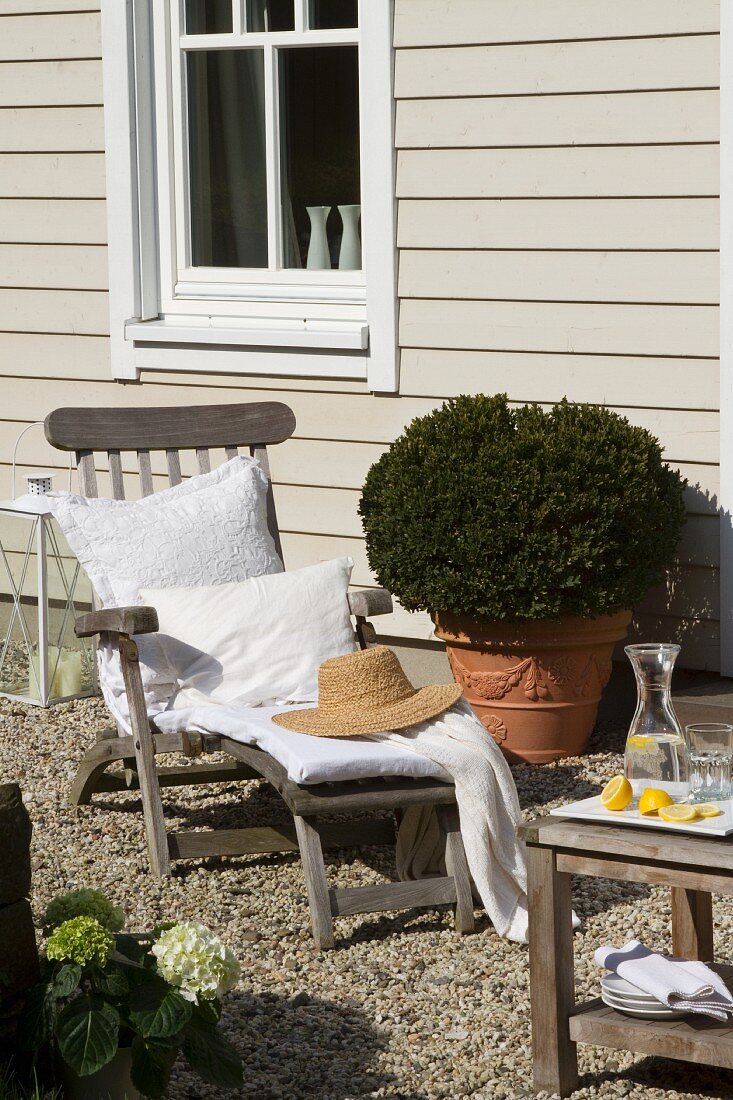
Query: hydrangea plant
[[84, 903], [159, 995]]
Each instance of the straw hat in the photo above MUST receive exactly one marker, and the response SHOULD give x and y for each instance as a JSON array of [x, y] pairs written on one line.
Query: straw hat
[[367, 692]]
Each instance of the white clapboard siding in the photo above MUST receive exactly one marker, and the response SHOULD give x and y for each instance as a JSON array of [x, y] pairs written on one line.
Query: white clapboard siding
[[50, 83], [85, 312], [560, 327], [55, 355], [634, 118], [35, 7], [54, 266], [690, 592], [465, 22], [626, 171], [50, 37], [700, 639], [703, 491], [584, 223], [684, 436], [620, 380], [52, 129], [634, 64], [656, 277], [52, 175], [53, 221]]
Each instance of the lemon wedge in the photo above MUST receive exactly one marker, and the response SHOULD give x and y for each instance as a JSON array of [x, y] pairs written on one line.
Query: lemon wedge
[[639, 741], [653, 799], [678, 812], [708, 809], [617, 794]]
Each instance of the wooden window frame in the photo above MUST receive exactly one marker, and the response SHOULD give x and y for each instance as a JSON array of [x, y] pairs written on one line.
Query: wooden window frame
[[280, 323]]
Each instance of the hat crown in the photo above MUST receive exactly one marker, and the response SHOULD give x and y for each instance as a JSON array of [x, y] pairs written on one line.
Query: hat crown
[[362, 681]]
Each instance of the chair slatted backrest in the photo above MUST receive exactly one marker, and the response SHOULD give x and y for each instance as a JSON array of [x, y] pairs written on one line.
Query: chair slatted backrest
[[170, 430]]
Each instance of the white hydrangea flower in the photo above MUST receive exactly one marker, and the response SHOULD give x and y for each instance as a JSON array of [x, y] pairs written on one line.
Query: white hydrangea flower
[[191, 958]]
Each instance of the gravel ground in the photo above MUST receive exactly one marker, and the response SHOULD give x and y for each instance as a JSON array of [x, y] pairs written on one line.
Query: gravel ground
[[403, 1007]]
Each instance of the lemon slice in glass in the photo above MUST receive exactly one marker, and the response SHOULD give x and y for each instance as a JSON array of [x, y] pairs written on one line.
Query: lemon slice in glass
[[617, 794], [708, 809], [678, 812]]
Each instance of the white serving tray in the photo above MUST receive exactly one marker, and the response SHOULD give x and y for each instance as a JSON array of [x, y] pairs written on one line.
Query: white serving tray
[[592, 809]]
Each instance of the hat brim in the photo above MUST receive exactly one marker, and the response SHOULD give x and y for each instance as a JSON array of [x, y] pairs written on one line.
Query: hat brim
[[426, 703]]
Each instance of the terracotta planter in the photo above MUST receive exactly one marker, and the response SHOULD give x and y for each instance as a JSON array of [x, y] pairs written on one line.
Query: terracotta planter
[[535, 686], [111, 1082]]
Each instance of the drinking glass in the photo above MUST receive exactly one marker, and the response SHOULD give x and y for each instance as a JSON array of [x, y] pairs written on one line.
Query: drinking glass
[[710, 752]]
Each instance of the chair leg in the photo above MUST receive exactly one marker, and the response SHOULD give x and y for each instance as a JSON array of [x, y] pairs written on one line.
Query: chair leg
[[160, 860], [314, 870], [457, 866], [93, 764]]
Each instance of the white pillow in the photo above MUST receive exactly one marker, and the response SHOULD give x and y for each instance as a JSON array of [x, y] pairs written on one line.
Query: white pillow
[[257, 643], [210, 529]]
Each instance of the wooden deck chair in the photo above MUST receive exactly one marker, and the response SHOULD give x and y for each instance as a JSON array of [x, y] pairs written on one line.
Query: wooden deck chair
[[249, 426]]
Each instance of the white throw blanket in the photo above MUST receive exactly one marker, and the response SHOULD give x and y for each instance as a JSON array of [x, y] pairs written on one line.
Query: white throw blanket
[[488, 807], [687, 985], [454, 743]]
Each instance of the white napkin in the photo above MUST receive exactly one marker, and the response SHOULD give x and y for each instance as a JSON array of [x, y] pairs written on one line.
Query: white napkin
[[688, 986]]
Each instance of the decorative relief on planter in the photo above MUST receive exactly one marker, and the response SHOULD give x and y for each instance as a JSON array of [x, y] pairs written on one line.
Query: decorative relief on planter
[[601, 668], [495, 685], [494, 727]]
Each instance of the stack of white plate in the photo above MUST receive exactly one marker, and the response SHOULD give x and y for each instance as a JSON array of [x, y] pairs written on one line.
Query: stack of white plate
[[629, 999]]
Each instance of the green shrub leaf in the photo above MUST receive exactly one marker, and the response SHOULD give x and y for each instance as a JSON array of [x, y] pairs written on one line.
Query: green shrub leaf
[[87, 1033], [158, 1011], [212, 1056], [152, 1063]]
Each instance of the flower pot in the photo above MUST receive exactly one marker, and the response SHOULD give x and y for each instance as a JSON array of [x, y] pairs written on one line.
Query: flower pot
[[536, 685], [111, 1082]]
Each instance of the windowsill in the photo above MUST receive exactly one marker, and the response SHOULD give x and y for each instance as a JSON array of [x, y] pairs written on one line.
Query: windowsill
[[256, 332]]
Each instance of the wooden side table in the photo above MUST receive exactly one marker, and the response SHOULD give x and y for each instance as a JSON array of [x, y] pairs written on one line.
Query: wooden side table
[[692, 866]]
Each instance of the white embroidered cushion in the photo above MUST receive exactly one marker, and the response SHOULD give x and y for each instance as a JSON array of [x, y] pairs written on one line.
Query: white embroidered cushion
[[259, 642], [209, 530]]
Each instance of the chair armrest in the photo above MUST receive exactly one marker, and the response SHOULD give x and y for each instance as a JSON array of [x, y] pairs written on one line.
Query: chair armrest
[[370, 601], [117, 620]]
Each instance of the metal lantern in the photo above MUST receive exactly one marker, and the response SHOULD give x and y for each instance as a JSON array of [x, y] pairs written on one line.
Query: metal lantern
[[41, 660]]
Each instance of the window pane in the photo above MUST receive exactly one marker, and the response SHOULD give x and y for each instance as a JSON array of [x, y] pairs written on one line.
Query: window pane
[[270, 15], [327, 14], [226, 122], [208, 16], [319, 93]]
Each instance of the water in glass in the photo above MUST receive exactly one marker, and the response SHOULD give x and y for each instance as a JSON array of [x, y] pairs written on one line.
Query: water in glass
[[655, 748], [710, 750]]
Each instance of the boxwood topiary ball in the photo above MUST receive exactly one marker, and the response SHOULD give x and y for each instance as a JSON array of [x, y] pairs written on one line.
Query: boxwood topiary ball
[[521, 513]]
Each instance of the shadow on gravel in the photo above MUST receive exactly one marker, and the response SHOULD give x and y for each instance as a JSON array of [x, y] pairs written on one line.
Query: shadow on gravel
[[303, 1049], [660, 1073]]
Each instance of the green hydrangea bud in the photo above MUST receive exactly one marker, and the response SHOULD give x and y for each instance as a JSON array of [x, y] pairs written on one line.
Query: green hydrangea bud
[[82, 940], [84, 903]]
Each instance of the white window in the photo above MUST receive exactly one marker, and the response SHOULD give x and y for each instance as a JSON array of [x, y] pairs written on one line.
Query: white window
[[250, 180]]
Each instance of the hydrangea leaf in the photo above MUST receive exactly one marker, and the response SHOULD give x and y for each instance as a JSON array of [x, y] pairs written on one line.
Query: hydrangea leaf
[[212, 1056], [159, 1012], [152, 1063], [87, 1032]]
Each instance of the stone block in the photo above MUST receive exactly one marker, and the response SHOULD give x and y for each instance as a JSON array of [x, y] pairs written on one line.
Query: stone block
[[18, 951], [15, 841]]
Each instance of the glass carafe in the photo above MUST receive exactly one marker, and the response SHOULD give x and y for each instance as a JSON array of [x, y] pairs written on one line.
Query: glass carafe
[[656, 755]]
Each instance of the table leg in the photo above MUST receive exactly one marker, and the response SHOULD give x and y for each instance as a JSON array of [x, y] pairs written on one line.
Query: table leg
[[552, 974], [692, 924]]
